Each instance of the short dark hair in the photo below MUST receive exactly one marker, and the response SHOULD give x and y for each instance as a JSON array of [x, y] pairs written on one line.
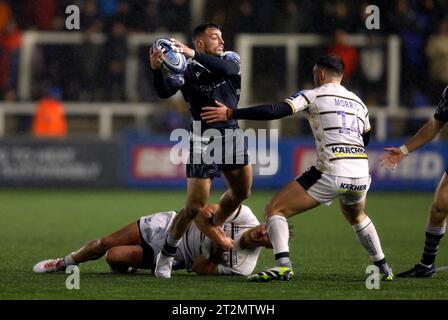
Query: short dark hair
[[331, 62], [200, 29]]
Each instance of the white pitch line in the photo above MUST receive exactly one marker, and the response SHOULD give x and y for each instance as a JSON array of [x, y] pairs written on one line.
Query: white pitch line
[[442, 268]]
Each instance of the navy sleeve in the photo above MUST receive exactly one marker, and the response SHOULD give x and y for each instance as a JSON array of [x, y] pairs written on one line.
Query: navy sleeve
[[366, 138], [264, 112], [441, 113], [220, 66], [165, 87]]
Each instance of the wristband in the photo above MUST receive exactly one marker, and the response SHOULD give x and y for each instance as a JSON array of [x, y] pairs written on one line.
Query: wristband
[[229, 114], [404, 149]]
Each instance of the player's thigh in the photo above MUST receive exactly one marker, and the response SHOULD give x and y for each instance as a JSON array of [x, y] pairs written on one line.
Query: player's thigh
[[131, 256], [128, 235], [289, 201], [239, 180], [352, 197]]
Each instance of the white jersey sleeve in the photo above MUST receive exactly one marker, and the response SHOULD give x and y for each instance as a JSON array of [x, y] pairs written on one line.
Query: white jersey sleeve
[[301, 100], [367, 126]]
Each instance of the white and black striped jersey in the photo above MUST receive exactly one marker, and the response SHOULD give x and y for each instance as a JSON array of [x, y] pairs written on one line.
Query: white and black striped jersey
[[338, 119], [441, 113], [237, 261]]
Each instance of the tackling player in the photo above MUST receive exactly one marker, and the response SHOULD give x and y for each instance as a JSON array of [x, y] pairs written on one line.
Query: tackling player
[[340, 124], [138, 244], [211, 74], [435, 228]]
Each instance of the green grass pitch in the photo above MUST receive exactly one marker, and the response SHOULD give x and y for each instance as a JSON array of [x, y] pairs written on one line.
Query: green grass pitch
[[327, 258]]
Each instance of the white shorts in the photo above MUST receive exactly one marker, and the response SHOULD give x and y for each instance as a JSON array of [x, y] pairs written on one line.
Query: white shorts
[[153, 229], [324, 188]]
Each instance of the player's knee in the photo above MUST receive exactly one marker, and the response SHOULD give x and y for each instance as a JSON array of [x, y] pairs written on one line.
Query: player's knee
[[111, 257], [192, 212], [439, 209], [243, 194], [356, 219], [271, 210], [268, 210], [104, 243]]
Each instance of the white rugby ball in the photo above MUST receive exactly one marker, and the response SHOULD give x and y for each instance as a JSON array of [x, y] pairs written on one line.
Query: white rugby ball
[[174, 61]]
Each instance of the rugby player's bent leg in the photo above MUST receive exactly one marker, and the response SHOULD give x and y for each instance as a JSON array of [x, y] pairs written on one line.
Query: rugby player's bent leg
[[291, 200], [125, 259], [367, 236], [92, 250], [435, 230], [240, 184], [198, 191]]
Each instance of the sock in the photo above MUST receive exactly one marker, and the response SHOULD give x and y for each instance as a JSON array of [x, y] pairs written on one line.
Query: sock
[[367, 235], [170, 247], [69, 261], [278, 231], [433, 237]]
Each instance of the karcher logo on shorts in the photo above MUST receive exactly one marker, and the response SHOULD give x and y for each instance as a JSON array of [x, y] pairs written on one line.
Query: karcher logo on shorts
[[348, 150], [353, 187]]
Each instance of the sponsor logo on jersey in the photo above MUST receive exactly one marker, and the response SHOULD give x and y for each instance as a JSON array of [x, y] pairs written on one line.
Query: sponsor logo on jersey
[[213, 86]]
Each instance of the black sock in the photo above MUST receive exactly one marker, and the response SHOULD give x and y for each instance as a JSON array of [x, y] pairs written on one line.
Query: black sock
[[168, 250], [383, 266], [170, 247], [431, 247]]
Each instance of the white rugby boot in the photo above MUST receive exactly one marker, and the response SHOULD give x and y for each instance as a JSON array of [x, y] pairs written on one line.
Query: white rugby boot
[[49, 266], [164, 265]]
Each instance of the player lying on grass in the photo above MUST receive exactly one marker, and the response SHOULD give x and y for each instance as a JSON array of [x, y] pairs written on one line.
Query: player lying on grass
[[138, 244]]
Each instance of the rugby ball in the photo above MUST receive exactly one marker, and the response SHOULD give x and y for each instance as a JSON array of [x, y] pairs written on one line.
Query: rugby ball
[[174, 61]]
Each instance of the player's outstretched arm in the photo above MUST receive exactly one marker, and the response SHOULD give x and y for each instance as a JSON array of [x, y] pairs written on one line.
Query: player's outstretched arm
[[204, 267], [426, 133], [204, 223], [391, 159], [260, 112]]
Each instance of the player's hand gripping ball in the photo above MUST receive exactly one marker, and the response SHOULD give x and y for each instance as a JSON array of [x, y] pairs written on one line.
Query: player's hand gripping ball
[[174, 62]]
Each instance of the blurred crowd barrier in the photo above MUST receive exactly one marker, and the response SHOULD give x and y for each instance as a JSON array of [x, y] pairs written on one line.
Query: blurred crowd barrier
[[145, 162]]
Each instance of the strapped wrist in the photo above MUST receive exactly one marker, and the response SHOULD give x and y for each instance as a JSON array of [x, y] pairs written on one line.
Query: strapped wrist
[[404, 149], [229, 114]]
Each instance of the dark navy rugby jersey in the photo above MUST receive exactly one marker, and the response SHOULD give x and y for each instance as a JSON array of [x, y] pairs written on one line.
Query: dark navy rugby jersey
[[206, 79], [441, 113]]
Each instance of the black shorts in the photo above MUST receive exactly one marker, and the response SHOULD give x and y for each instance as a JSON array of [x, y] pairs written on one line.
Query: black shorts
[[148, 261], [198, 167], [308, 178]]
